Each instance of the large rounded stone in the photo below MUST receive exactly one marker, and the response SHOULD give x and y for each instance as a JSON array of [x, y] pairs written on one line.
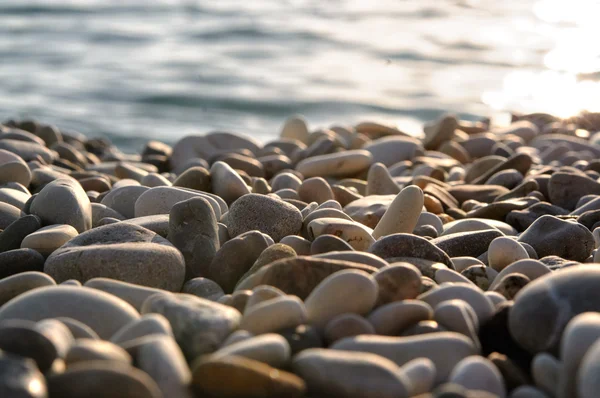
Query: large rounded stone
[[544, 307], [273, 217], [103, 312], [549, 235], [120, 251], [200, 326], [193, 230], [235, 258], [75, 208], [335, 373]]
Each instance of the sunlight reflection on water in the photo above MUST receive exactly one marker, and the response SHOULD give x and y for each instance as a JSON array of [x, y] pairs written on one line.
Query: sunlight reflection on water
[[570, 82]]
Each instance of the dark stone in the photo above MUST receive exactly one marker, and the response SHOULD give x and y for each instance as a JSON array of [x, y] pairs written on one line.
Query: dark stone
[[522, 219], [521, 162], [565, 189], [197, 178], [20, 260], [549, 235], [499, 210], [423, 327], [495, 336], [20, 338], [409, 245], [471, 244], [589, 218], [480, 193], [513, 375], [301, 338], [13, 235], [426, 231]]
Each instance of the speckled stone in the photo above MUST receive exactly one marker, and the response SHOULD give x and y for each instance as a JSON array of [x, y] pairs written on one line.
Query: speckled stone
[[275, 218], [397, 282]]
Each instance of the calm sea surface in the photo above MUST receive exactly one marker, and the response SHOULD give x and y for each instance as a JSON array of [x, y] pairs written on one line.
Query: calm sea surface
[[137, 69]]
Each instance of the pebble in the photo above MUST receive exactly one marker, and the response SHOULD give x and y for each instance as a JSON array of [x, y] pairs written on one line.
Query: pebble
[[137, 255], [472, 244], [477, 373], [397, 282], [546, 371], [511, 284], [235, 376], [444, 349], [402, 214], [346, 325], [549, 235], [358, 236], [193, 230], [355, 257], [270, 348], [482, 306], [15, 285], [393, 149], [407, 245], [95, 350], [122, 200], [79, 304], [146, 325], [587, 376], [273, 217], [458, 316], [104, 378], [350, 374], [75, 208], [315, 189], [199, 325], [393, 318], [275, 314], [197, 178], [346, 291], [47, 239], [340, 164], [504, 251], [380, 182], [234, 259], [8, 214], [562, 295], [160, 200], [226, 182]]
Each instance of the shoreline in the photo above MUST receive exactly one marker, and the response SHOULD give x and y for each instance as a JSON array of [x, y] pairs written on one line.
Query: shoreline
[[347, 261]]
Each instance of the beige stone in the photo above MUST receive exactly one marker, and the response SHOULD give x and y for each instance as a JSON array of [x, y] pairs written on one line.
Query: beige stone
[[402, 214], [339, 164], [47, 239], [357, 235], [275, 314]]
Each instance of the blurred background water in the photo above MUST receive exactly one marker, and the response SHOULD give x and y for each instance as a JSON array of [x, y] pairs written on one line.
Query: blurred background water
[[138, 69]]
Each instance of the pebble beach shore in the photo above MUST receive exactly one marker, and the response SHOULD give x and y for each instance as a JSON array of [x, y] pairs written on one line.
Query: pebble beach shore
[[351, 261]]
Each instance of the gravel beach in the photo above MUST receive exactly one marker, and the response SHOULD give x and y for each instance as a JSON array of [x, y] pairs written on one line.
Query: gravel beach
[[349, 261]]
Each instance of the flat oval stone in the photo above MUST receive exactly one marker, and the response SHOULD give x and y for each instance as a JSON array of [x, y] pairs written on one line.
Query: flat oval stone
[[370, 209], [160, 200], [533, 269], [408, 245], [477, 224], [80, 304], [14, 197], [160, 357], [299, 275], [136, 255], [28, 150], [275, 314], [47, 239], [103, 378], [444, 349], [199, 325], [75, 208], [273, 217], [339, 164], [244, 377], [393, 149], [13, 262], [355, 234], [146, 325], [363, 258], [13, 286], [393, 318], [482, 306], [348, 374], [397, 282], [346, 291], [346, 325], [471, 244], [226, 182], [503, 251], [9, 214]]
